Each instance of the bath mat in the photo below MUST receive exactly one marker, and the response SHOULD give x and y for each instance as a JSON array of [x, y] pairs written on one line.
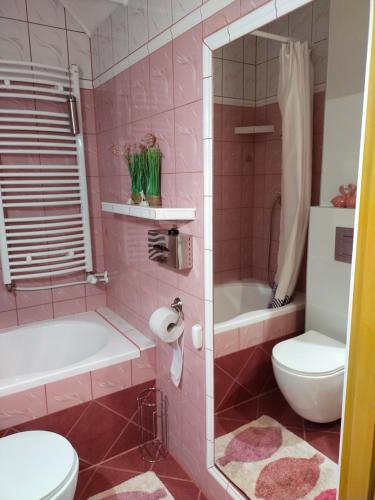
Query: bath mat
[[267, 461], [146, 486]]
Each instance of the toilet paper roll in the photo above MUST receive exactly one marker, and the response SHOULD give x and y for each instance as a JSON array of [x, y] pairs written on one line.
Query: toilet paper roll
[[163, 324]]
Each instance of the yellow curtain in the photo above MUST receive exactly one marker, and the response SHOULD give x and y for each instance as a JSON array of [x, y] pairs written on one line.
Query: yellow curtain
[[357, 475]]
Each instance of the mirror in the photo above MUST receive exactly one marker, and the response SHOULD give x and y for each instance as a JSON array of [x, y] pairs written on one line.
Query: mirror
[[287, 118]]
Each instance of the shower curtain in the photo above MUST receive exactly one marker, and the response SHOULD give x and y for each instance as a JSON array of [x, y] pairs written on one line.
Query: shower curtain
[[295, 96]]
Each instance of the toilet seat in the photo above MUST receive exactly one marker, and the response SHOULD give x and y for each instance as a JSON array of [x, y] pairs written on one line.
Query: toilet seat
[[311, 354], [35, 465]]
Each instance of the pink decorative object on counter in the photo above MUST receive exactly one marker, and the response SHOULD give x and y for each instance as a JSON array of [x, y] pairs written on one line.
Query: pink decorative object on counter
[[346, 198], [351, 197], [338, 201]]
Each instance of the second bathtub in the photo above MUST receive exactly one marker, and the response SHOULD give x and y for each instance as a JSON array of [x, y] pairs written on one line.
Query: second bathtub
[[242, 318]]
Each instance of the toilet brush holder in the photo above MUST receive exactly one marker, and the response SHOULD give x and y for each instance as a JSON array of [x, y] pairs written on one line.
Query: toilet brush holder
[[152, 423]]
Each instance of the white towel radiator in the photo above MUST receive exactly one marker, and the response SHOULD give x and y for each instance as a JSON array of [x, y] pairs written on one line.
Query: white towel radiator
[[44, 217]]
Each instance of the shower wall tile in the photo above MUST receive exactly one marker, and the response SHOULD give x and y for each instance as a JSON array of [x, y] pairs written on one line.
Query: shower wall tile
[[159, 17], [143, 368], [111, 379], [300, 23], [272, 77], [44, 36], [103, 54], [320, 20], [14, 9], [137, 25], [250, 5], [218, 77], [161, 79], [249, 82], [79, 53], [8, 319], [22, 406], [120, 36], [320, 61], [280, 27], [233, 79], [261, 81], [188, 133], [71, 23], [35, 313], [69, 392], [225, 16], [14, 40], [234, 51], [47, 12], [187, 66], [180, 8]]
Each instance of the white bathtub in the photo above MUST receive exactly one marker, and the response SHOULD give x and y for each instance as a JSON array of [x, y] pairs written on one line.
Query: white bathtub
[[241, 303], [48, 351]]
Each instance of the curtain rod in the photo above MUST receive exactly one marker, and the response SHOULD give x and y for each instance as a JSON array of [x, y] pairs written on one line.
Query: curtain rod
[[271, 36]]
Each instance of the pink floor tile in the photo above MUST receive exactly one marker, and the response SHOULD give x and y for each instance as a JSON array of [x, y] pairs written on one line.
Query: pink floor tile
[[101, 423], [275, 406], [129, 461], [102, 479], [326, 442]]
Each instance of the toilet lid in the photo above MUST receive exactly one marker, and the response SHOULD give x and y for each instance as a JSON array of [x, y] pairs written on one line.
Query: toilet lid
[[311, 353], [33, 464]]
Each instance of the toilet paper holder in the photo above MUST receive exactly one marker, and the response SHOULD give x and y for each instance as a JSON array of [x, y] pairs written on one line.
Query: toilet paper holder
[[177, 306]]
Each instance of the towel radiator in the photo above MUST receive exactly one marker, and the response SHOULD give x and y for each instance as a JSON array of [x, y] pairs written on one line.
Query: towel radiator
[[44, 217]]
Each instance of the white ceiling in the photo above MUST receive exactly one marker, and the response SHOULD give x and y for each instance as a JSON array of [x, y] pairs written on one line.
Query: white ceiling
[[90, 13]]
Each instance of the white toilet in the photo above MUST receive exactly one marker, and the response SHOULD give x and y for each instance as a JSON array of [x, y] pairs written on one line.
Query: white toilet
[[37, 465], [309, 370]]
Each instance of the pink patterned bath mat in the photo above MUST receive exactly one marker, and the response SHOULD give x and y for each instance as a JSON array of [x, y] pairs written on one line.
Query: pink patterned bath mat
[[266, 461], [146, 486]]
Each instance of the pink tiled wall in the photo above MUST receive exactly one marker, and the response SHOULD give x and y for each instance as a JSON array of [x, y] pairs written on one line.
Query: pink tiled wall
[[247, 178], [163, 95], [21, 307]]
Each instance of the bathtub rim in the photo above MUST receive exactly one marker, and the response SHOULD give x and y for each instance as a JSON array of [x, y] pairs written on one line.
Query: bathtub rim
[[253, 317], [119, 349]]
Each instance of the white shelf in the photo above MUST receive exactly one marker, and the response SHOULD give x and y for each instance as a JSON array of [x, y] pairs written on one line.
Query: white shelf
[[257, 129], [149, 212]]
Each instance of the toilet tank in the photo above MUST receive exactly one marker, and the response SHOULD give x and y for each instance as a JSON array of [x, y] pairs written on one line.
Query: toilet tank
[[328, 280]]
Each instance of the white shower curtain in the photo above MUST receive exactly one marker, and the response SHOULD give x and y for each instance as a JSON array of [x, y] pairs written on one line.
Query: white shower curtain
[[295, 95]]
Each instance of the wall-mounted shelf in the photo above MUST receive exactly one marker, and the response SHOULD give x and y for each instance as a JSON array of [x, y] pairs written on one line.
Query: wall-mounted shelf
[[149, 212], [257, 129]]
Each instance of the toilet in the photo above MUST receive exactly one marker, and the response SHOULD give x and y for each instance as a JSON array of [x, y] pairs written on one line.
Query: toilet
[[309, 370], [37, 465]]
